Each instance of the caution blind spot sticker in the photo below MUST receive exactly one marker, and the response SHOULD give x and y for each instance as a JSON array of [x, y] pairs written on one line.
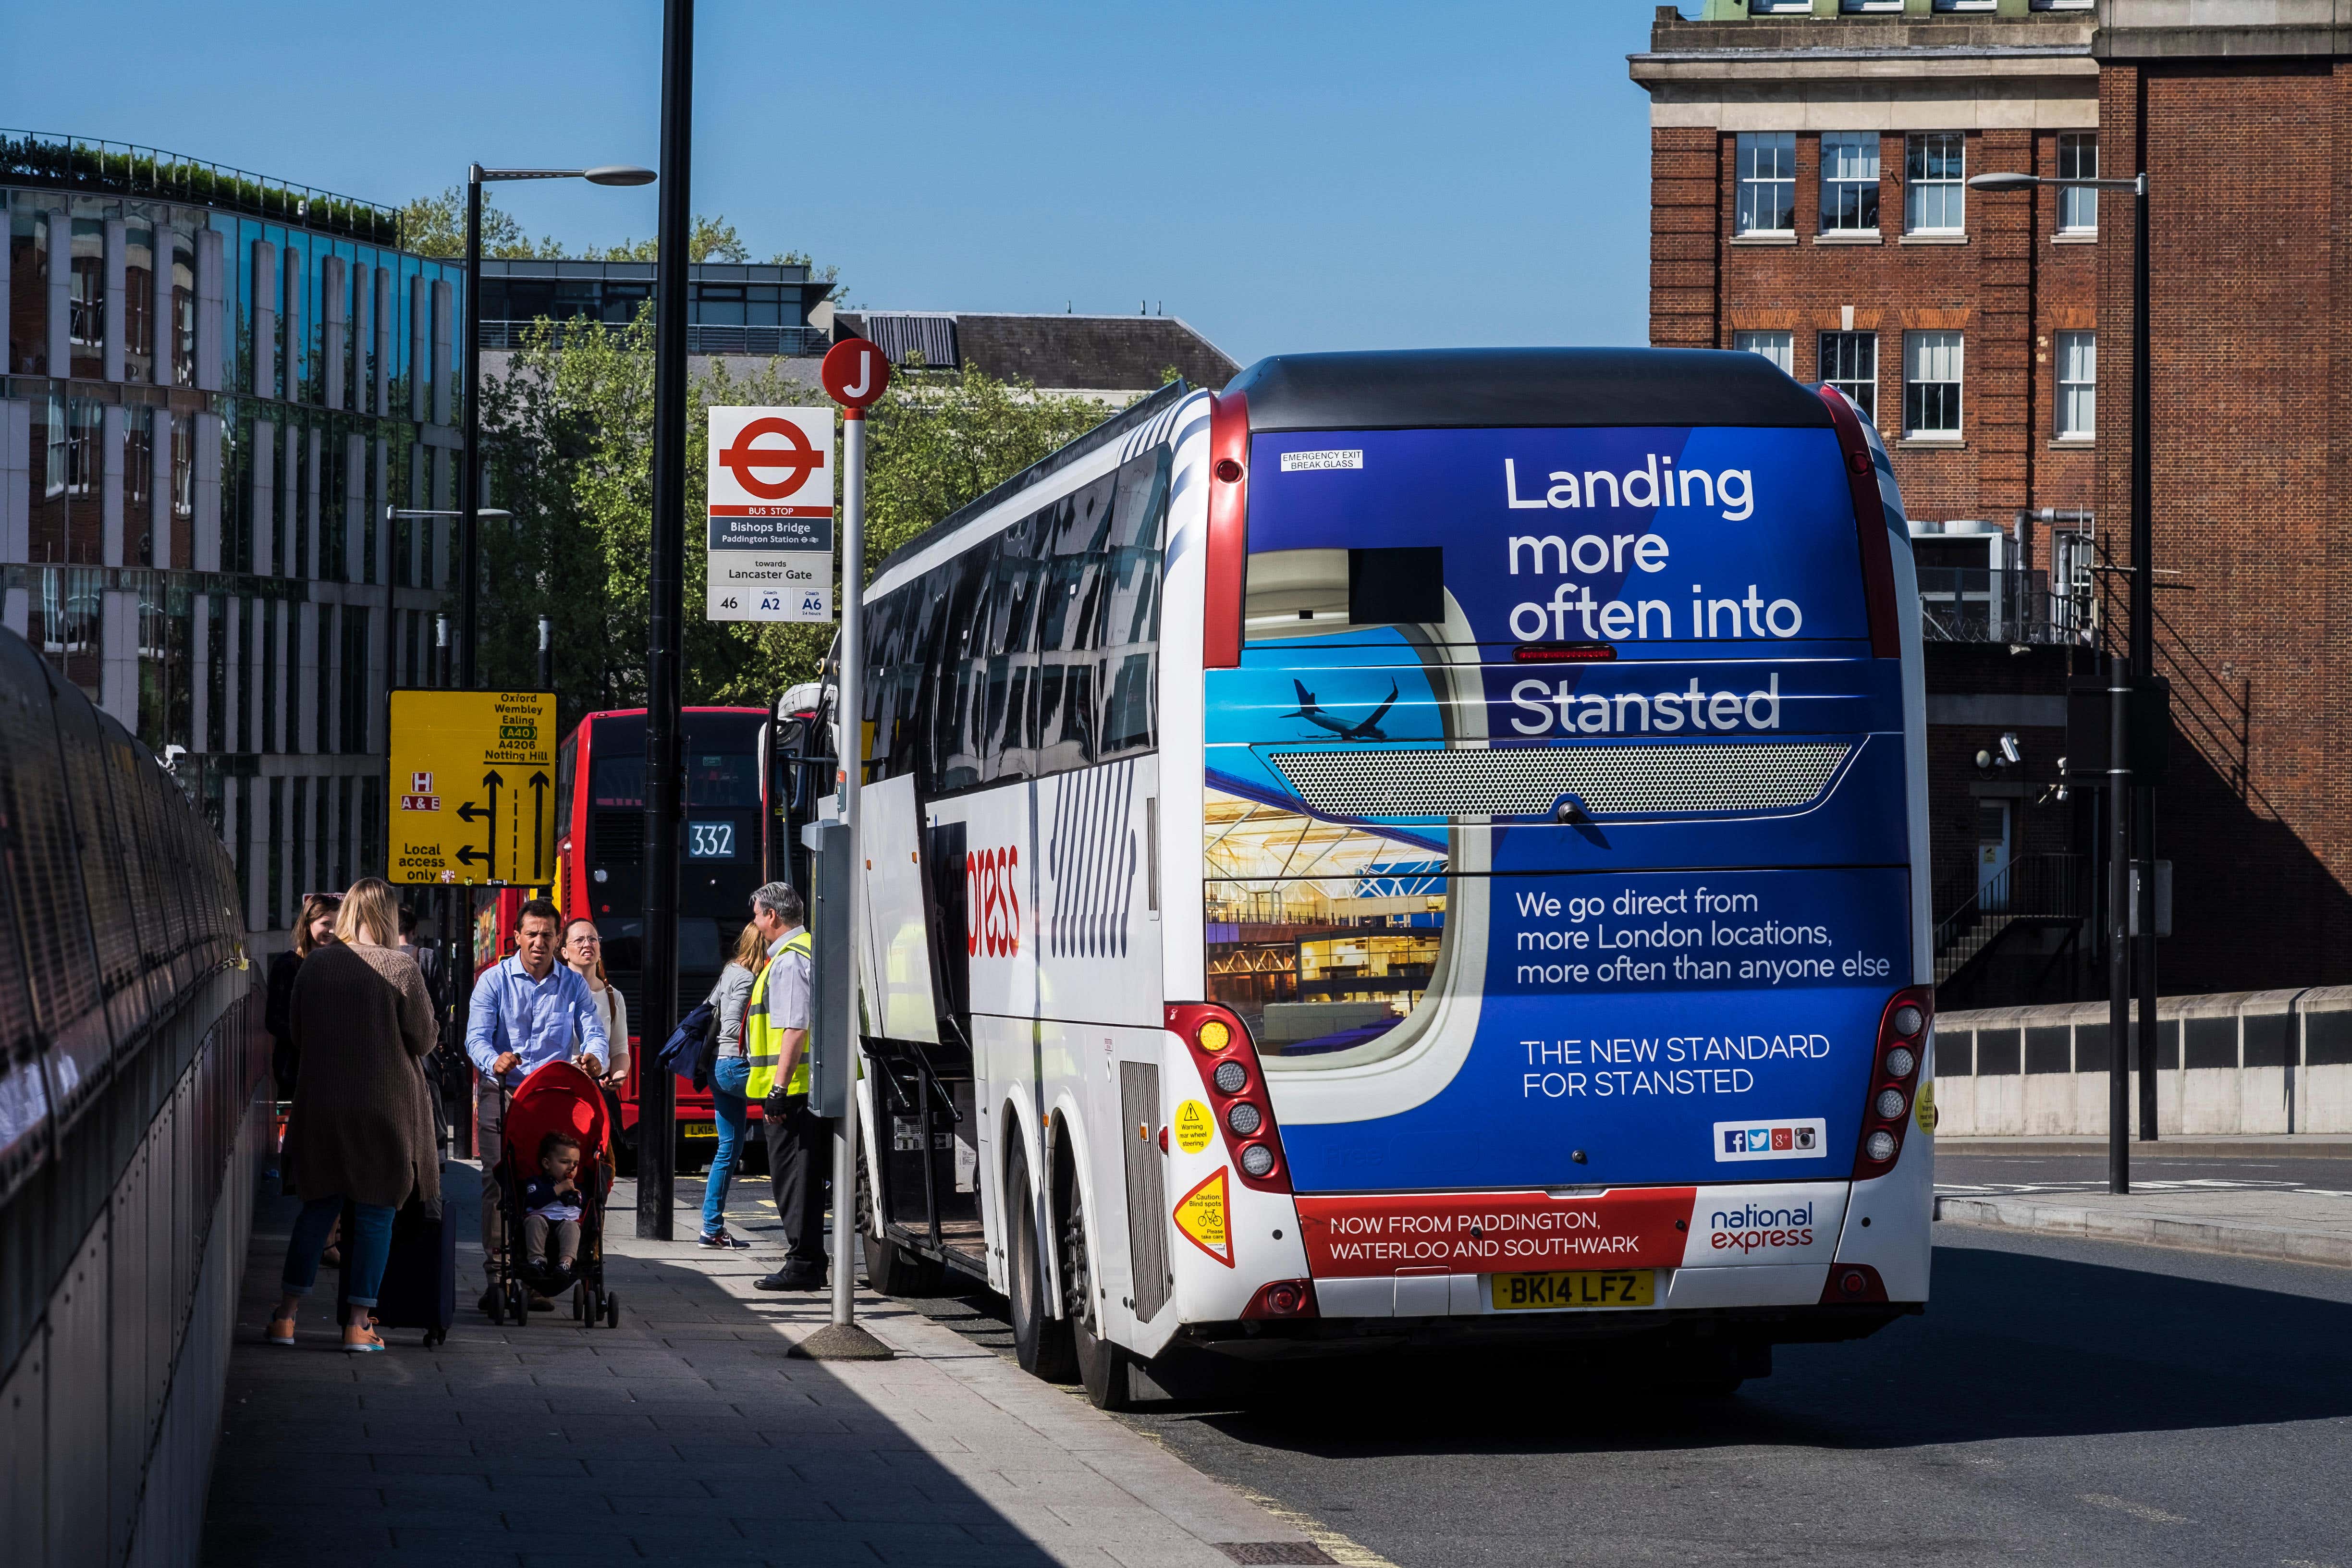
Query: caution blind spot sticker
[[1201, 1216]]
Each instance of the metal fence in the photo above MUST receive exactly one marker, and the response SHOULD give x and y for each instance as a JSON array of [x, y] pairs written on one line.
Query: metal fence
[[125, 169], [787, 342], [1980, 603], [2045, 887]]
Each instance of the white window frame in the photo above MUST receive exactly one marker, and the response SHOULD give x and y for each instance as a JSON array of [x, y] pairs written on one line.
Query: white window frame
[[2075, 201], [1856, 5], [1780, 347], [1936, 341], [1834, 144], [1865, 383], [1743, 151], [1949, 189], [2077, 399]]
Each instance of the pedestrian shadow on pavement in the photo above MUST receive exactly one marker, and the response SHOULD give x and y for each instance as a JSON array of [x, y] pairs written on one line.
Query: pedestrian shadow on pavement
[[685, 1435], [2014, 1344]]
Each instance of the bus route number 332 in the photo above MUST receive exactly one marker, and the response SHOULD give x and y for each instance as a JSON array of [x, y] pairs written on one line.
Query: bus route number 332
[[710, 840]]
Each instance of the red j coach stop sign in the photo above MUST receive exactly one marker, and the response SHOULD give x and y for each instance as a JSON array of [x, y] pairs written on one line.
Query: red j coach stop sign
[[855, 373]]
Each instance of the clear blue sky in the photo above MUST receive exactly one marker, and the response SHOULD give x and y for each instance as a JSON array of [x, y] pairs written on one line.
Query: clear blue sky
[[1306, 176]]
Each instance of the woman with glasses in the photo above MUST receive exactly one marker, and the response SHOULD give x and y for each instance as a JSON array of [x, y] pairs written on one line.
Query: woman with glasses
[[583, 949]]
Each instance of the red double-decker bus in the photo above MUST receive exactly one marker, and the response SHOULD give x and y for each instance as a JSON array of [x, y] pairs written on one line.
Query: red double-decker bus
[[732, 841]]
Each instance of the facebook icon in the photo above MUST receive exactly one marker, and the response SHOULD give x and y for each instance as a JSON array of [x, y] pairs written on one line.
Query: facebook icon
[[1734, 1142]]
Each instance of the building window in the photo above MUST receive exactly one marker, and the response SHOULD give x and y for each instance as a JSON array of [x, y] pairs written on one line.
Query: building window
[[1777, 347], [1934, 179], [1850, 363], [1849, 182], [1931, 384], [2078, 385], [2078, 159], [1768, 182]]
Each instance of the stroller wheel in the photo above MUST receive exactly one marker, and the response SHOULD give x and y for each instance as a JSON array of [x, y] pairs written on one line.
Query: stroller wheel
[[580, 1310], [612, 1310], [433, 1338], [518, 1301]]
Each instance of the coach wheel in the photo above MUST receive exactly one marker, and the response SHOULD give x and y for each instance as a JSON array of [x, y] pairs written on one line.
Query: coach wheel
[[1040, 1343], [1102, 1366], [612, 1310]]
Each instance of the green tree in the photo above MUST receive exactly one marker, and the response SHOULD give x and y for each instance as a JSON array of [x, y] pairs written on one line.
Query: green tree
[[568, 438], [435, 225]]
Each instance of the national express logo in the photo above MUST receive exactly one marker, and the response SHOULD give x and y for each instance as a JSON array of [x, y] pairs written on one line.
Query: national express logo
[[1760, 1227], [1797, 1139], [993, 907]]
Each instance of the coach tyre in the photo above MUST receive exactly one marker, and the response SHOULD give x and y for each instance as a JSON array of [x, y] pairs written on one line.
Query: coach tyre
[[1040, 1343], [1102, 1366]]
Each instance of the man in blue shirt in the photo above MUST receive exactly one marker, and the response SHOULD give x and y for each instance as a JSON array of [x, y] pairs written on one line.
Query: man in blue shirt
[[528, 1010]]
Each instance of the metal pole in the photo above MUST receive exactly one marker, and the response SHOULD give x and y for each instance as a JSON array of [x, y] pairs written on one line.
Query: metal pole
[[850, 769], [2118, 929], [546, 653], [664, 633], [469, 522], [2143, 660]]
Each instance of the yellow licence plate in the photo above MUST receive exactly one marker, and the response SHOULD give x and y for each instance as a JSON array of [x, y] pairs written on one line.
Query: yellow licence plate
[[1592, 1288], [699, 1129]]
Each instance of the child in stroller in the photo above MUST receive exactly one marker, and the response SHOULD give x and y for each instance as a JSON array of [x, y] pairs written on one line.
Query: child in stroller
[[556, 1171], [550, 1201]]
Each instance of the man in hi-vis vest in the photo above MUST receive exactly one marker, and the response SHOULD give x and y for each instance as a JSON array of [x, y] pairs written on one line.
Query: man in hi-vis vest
[[775, 1034]]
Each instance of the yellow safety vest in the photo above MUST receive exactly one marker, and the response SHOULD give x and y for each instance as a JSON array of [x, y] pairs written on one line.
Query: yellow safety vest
[[763, 1043]]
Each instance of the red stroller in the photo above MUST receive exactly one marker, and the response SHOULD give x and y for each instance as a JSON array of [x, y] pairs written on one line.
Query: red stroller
[[556, 1098]]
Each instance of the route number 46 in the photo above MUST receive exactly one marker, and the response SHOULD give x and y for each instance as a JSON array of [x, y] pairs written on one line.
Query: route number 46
[[711, 841], [730, 602]]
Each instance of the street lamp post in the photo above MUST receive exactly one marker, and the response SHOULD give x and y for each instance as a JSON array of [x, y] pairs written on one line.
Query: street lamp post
[[469, 503], [2140, 847]]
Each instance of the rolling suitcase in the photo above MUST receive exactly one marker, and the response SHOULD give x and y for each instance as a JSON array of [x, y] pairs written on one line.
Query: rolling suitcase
[[420, 1274]]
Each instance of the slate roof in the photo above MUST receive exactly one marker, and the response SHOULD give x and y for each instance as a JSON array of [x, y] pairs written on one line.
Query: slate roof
[[1106, 353]]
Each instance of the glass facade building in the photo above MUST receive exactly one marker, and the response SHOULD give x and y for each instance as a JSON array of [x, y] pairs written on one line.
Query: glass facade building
[[731, 307], [216, 387]]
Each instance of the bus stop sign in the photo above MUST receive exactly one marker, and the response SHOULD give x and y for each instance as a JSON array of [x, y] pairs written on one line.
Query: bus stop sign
[[855, 373], [472, 791]]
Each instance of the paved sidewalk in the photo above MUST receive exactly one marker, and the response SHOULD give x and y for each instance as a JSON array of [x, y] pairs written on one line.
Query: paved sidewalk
[[685, 1435], [2302, 1225]]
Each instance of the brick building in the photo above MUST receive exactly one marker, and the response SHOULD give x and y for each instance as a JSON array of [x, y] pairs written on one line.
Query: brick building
[[1808, 160]]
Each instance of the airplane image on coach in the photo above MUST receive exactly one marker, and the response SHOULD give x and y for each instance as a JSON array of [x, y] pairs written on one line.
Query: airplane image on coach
[[1366, 730]]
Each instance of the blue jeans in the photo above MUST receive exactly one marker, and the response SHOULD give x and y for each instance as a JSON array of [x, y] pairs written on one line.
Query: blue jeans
[[363, 1254], [733, 1114]]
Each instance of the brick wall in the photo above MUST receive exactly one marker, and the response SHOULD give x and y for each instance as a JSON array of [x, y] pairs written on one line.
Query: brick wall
[[2249, 423], [2009, 289]]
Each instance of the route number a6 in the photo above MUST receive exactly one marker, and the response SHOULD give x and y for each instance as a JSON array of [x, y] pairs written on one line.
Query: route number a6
[[711, 841]]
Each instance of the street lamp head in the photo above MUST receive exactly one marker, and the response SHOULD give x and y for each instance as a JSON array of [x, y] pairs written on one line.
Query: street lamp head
[[2004, 181], [619, 174]]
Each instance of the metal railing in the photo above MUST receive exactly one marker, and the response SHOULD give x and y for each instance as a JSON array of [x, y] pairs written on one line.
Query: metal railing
[[702, 337], [2044, 887], [124, 169], [1978, 604]]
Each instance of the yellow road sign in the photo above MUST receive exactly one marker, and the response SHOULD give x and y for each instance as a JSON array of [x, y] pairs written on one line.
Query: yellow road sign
[[473, 787]]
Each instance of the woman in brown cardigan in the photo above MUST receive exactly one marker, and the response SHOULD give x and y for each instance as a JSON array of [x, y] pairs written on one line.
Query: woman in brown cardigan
[[362, 1129]]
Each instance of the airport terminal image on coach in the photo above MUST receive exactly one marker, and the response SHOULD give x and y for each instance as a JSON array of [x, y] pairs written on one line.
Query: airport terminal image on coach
[[1412, 847]]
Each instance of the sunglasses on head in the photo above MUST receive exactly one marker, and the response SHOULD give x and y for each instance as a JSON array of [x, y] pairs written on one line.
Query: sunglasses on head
[[325, 897]]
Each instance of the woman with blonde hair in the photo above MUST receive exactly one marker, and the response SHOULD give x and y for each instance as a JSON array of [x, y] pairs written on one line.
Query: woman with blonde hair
[[361, 1130], [728, 1107]]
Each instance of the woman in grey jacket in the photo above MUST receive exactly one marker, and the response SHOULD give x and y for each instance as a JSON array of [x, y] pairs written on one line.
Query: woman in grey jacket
[[729, 1076]]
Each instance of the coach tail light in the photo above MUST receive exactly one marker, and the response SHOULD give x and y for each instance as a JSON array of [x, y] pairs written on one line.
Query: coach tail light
[[1894, 1080], [1227, 1061]]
